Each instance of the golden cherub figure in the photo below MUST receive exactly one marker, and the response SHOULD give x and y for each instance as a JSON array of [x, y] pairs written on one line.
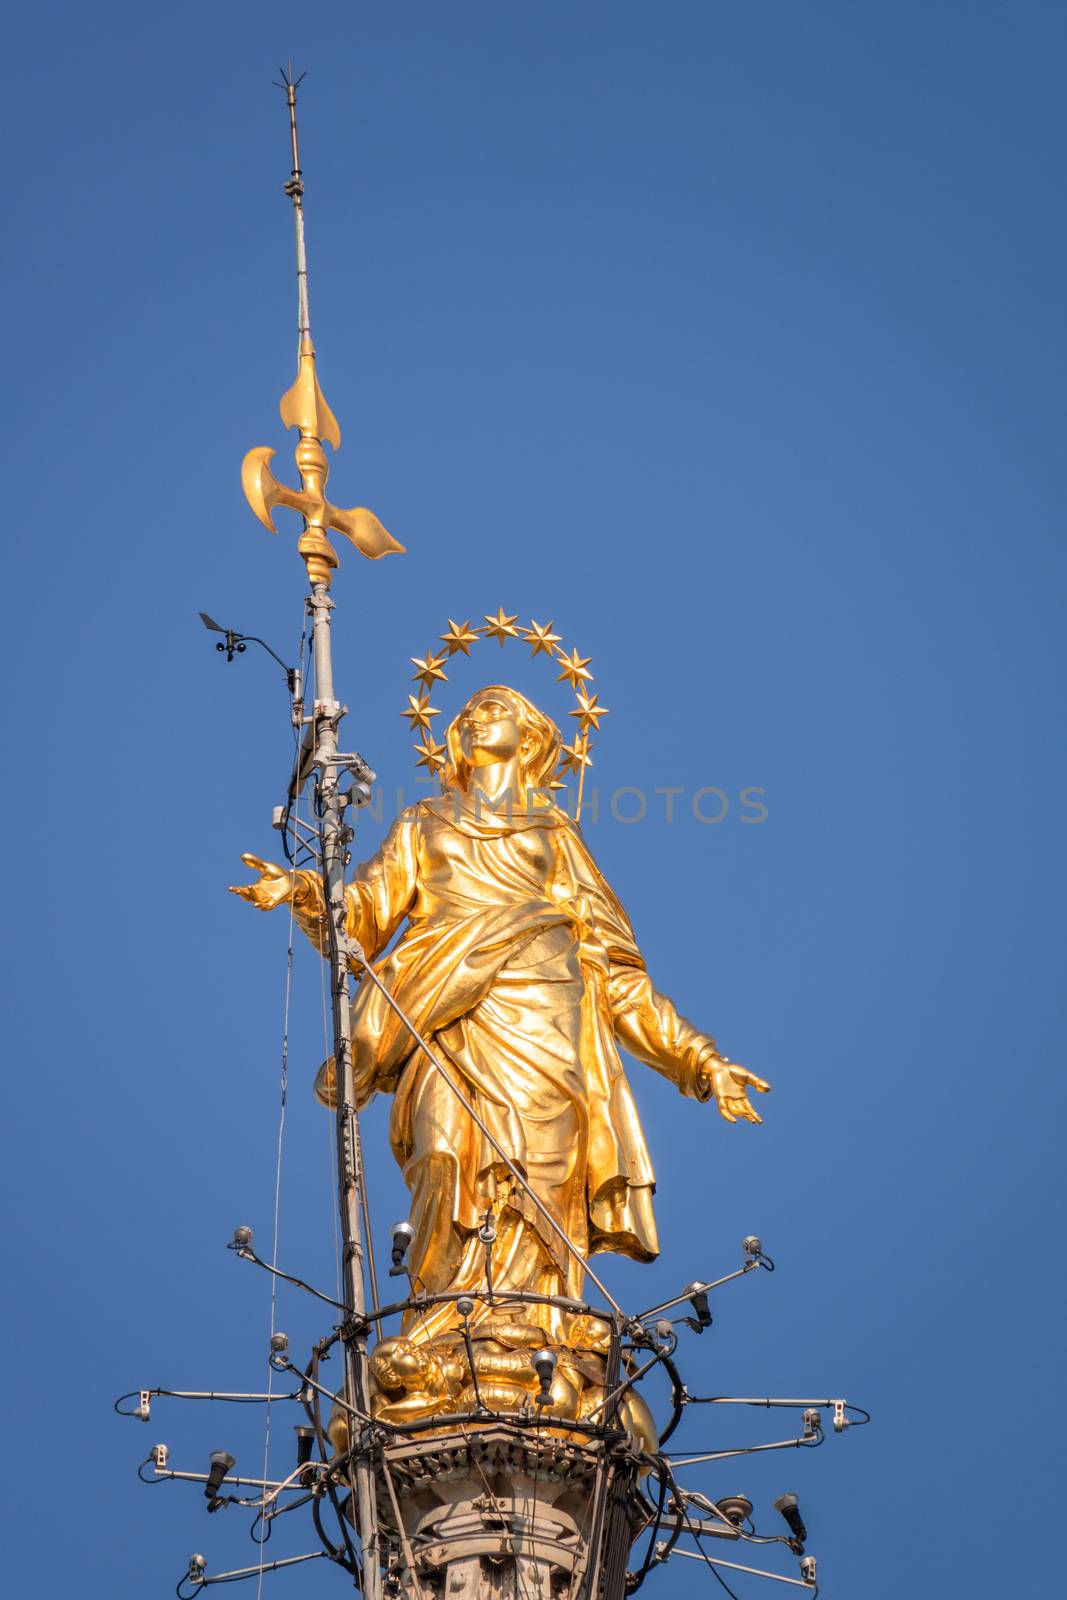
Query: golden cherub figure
[[520, 968]]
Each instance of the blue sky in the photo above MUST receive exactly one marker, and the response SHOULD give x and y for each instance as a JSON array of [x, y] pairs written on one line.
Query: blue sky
[[730, 337]]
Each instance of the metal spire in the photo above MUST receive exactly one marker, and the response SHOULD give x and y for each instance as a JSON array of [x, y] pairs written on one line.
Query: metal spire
[[295, 190], [304, 407]]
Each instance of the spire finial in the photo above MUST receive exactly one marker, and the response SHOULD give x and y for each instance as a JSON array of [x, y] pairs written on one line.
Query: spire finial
[[295, 190], [304, 407]]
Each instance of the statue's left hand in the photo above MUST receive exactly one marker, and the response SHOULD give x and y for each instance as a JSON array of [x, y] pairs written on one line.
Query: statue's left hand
[[728, 1084]]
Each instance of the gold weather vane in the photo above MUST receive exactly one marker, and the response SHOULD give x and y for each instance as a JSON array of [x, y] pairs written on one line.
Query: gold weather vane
[[304, 407], [574, 667]]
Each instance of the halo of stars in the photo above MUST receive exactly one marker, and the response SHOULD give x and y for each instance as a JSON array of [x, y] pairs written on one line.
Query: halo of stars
[[574, 669]]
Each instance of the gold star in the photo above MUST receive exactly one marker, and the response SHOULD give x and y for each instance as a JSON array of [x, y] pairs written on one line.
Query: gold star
[[429, 668], [431, 754], [419, 712], [589, 711], [556, 783], [501, 627], [574, 667], [573, 756], [541, 640], [460, 636]]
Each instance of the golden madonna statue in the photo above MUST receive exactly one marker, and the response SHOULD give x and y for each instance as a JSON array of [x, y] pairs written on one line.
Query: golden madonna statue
[[520, 969]]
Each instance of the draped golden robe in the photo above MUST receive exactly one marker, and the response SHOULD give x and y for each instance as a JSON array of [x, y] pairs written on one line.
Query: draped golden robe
[[520, 969]]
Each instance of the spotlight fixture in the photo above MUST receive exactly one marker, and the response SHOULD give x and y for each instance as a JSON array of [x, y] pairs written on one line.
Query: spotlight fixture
[[465, 1305], [242, 1239], [305, 1438], [403, 1233], [197, 1568], [752, 1247], [789, 1506], [544, 1364], [807, 1568], [697, 1295], [221, 1462]]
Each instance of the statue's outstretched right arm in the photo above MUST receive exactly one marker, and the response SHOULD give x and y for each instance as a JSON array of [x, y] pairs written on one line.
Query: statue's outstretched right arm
[[379, 895]]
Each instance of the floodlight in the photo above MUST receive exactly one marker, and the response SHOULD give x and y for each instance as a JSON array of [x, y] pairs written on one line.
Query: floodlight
[[789, 1506], [697, 1295], [221, 1462], [403, 1233], [544, 1364]]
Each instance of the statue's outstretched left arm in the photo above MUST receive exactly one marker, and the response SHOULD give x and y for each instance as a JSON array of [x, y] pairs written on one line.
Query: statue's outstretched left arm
[[647, 1024], [644, 1021]]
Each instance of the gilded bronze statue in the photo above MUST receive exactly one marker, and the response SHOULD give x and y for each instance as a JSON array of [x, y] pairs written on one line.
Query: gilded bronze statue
[[519, 967]]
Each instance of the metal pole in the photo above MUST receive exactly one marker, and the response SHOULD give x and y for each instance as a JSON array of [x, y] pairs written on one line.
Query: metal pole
[[335, 838], [295, 190]]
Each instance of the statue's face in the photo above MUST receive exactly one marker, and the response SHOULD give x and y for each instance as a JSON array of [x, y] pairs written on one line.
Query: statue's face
[[490, 728]]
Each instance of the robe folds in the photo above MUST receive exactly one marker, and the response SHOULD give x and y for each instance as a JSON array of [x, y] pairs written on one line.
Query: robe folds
[[520, 969]]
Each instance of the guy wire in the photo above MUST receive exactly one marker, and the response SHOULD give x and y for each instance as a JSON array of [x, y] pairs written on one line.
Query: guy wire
[[283, 1096]]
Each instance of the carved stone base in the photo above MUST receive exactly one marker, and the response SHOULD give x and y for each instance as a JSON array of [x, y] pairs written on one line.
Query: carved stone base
[[492, 1515]]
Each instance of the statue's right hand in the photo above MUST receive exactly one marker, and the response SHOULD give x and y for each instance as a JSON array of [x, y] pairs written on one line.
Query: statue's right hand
[[273, 887]]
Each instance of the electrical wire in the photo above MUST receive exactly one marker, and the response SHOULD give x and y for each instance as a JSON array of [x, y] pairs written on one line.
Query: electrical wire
[[678, 1398], [313, 1407], [298, 1283], [611, 1401], [206, 1394], [650, 1553], [807, 1441], [713, 1569], [243, 1573], [283, 1088], [680, 1500]]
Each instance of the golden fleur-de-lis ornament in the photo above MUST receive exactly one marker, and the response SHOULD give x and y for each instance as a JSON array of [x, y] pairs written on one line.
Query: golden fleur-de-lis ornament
[[304, 407]]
